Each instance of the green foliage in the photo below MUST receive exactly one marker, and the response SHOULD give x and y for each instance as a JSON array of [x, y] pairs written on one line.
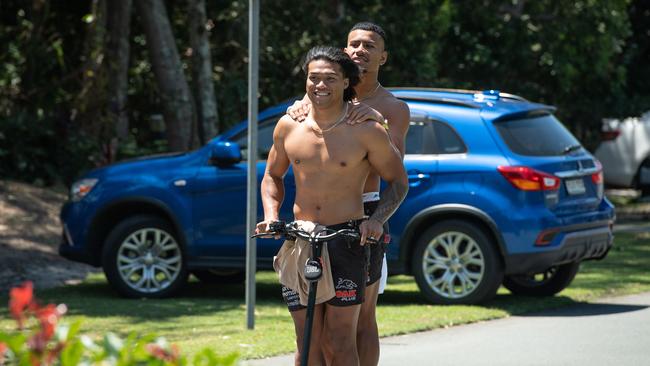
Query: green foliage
[[558, 53], [40, 148], [41, 340], [589, 58], [635, 61]]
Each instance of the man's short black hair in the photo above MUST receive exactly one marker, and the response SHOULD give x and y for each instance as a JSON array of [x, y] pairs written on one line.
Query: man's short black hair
[[370, 27], [336, 55]]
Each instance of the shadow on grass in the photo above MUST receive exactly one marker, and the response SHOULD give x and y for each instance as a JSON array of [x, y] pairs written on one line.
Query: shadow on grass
[[512, 304], [95, 298]]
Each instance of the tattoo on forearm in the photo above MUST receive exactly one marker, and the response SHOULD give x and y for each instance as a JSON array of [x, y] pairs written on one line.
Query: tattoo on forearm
[[391, 198]]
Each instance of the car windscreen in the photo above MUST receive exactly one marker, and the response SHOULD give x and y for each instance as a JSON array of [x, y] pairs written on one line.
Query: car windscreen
[[541, 135]]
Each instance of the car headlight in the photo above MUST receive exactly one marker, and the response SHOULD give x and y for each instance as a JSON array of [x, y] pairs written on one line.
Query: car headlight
[[81, 188]]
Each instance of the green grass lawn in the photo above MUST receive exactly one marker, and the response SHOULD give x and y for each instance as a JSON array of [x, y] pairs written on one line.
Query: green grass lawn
[[215, 316]]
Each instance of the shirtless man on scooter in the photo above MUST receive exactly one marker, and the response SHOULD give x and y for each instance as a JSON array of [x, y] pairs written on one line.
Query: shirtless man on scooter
[[366, 45], [331, 161]]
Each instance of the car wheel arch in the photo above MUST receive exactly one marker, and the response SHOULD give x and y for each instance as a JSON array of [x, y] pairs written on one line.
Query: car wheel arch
[[112, 214], [429, 216]]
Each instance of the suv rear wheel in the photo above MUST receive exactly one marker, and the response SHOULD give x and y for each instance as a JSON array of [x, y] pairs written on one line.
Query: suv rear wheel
[[455, 263], [142, 257], [547, 283]]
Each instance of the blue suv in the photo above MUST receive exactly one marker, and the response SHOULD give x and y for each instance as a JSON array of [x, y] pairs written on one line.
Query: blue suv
[[500, 193]]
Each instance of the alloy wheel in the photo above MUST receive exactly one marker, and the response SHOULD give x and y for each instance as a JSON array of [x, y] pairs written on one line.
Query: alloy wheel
[[453, 264], [149, 260]]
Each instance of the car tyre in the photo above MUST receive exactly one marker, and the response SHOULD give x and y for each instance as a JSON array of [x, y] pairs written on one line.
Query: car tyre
[[220, 276], [547, 283], [644, 171], [454, 262], [142, 257]]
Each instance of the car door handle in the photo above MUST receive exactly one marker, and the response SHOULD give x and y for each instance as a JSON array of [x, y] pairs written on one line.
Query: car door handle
[[418, 176]]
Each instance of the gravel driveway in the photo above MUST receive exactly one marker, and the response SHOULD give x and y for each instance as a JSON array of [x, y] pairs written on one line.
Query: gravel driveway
[[29, 237]]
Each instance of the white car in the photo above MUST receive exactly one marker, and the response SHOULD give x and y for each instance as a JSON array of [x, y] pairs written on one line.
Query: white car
[[625, 152]]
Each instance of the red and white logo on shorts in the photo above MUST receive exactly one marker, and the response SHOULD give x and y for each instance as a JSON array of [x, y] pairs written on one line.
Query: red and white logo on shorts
[[346, 290]]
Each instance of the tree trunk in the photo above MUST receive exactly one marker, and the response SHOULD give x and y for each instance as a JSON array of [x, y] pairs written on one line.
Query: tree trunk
[[90, 105], [119, 21], [203, 86], [176, 98], [93, 56]]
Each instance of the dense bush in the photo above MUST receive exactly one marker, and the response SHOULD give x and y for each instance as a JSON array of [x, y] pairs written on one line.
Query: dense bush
[[587, 57], [42, 340]]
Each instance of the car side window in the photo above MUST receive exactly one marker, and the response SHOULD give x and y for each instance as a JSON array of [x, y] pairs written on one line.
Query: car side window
[[264, 138], [420, 138], [447, 140], [426, 136]]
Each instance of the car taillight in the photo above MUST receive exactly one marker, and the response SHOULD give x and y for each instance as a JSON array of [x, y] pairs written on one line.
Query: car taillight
[[609, 135], [597, 178], [529, 179]]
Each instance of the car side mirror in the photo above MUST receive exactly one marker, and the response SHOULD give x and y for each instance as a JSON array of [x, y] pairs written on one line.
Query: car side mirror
[[225, 153]]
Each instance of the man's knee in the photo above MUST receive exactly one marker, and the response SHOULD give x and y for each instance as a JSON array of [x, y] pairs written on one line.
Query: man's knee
[[340, 343]]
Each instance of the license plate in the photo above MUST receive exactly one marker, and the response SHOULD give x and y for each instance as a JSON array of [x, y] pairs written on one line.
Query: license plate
[[575, 186]]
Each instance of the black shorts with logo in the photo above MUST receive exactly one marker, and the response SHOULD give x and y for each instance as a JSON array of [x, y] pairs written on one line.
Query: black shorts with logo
[[349, 267], [376, 250]]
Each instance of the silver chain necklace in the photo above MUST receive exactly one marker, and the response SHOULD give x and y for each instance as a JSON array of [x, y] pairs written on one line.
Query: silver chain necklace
[[370, 94], [338, 122]]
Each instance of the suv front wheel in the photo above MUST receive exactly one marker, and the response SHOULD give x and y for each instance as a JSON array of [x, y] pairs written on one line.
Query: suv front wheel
[[455, 263], [142, 257]]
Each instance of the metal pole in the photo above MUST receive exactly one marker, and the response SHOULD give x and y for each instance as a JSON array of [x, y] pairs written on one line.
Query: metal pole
[[251, 202]]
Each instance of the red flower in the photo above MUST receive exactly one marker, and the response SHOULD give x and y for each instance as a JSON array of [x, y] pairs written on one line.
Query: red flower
[[48, 316], [20, 299], [163, 354], [3, 349]]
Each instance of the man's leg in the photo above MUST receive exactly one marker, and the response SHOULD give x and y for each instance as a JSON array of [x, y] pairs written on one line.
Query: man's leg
[[315, 349], [339, 335], [367, 331]]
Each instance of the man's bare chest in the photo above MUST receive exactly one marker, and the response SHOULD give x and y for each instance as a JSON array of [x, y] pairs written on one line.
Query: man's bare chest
[[332, 152]]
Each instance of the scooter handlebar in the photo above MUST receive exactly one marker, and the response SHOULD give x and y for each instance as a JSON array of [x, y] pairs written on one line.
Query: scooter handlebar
[[290, 230]]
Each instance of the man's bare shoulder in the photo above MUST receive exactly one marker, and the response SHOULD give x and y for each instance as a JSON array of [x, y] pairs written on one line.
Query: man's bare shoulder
[[392, 104], [285, 124], [286, 120], [387, 103]]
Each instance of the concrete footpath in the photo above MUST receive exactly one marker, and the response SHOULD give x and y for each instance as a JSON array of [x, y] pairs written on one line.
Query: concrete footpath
[[609, 331]]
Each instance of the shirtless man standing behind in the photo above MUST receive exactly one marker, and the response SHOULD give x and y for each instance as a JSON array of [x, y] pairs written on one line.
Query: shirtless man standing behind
[[366, 45], [331, 161]]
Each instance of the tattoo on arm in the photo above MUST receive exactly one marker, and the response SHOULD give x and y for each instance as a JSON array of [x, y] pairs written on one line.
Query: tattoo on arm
[[391, 198]]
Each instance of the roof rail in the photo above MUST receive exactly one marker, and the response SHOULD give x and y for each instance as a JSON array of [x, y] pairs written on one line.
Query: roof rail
[[512, 96], [448, 90], [439, 100]]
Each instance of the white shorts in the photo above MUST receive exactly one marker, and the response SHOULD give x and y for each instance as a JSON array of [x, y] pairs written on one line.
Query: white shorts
[[384, 276]]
